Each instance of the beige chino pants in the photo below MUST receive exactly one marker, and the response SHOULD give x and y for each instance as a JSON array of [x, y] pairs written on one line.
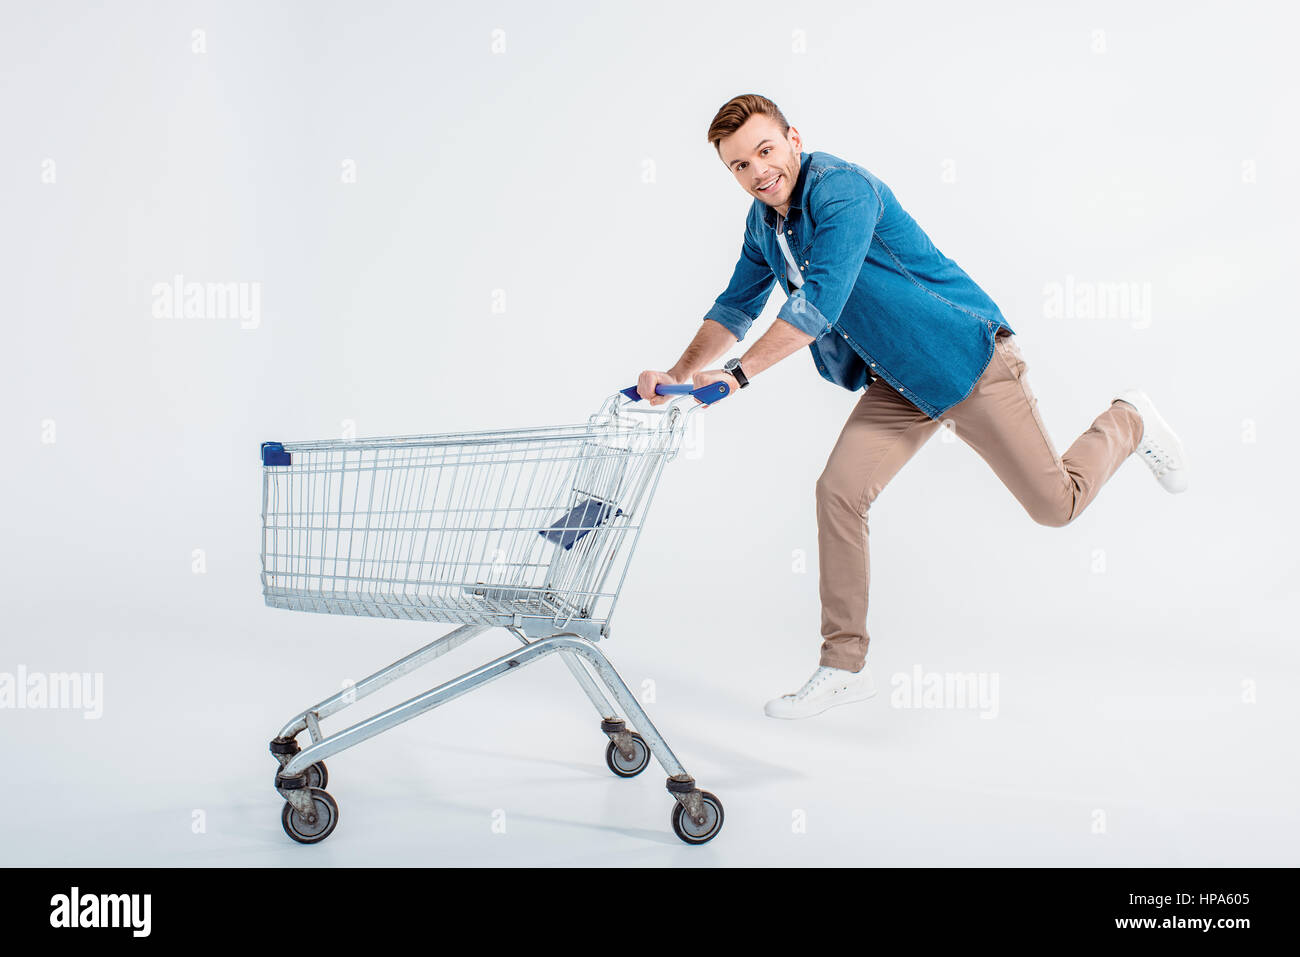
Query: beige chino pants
[[1000, 421]]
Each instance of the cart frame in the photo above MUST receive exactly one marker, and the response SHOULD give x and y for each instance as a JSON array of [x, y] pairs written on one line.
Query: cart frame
[[310, 813]]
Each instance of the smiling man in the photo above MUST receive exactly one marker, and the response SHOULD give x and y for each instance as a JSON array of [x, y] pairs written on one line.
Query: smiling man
[[882, 309]]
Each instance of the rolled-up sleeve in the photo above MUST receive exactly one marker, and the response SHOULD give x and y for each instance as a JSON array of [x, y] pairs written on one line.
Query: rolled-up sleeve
[[845, 210], [747, 292]]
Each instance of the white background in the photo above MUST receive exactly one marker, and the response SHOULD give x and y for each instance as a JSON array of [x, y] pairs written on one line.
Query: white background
[[570, 170]]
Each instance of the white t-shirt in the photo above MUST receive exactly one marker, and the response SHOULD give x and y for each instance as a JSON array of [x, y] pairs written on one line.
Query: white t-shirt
[[791, 267], [839, 352]]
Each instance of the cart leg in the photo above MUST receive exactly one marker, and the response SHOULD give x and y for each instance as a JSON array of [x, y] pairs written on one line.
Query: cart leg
[[284, 747], [629, 705], [602, 703], [297, 762], [580, 674], [698, 815], [699, 809], [611, 722]]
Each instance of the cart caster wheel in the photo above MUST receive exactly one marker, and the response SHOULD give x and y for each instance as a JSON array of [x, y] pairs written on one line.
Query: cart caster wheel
[[692, 832], [317, 776], [317, 827], [621, 765]]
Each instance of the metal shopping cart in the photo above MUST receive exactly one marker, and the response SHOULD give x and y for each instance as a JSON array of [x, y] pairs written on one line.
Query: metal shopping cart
[[522, 529]]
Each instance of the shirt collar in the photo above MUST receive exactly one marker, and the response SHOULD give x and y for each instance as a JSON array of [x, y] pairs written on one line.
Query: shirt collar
[[796, 196]]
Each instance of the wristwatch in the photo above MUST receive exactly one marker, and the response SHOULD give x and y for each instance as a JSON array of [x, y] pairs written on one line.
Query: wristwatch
[[733, 366]]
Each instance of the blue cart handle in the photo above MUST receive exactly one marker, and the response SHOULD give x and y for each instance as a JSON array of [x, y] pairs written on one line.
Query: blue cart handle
[[706, 393]]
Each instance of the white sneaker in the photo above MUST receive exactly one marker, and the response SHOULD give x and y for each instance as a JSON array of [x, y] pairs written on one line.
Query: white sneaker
[[1160, 447], [825, 689]]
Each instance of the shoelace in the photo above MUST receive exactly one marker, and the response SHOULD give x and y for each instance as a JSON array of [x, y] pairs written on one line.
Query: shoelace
[[1156, 457], [813, 683]]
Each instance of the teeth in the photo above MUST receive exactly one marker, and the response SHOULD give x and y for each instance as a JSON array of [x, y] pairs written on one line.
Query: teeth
[[771, 183]]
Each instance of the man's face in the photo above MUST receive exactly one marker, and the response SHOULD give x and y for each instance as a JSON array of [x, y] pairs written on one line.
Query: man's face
[[759, 155]]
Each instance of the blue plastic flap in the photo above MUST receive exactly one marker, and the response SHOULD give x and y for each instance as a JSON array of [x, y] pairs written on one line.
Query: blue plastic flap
[[706, 393], [579, 520], [273, 453]]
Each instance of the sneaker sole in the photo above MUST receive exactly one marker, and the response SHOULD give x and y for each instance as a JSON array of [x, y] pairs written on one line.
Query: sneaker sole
[[833, 703]]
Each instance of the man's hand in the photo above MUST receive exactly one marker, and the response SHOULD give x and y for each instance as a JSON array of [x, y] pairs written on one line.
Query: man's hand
[[701, 379], [646, 382]]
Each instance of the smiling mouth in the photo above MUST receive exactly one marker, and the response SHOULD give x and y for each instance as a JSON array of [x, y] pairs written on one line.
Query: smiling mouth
[[771, 186]]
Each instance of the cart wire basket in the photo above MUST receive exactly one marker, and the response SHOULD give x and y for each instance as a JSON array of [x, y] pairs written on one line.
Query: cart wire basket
[[531, 530]]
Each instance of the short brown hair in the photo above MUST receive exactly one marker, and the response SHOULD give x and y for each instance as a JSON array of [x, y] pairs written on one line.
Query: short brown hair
[[737, 110]]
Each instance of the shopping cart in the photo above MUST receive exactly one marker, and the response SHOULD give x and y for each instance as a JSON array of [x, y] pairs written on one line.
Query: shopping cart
[[520, 529]]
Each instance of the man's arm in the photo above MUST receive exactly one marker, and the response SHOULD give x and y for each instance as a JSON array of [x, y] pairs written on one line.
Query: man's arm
[[752, 282], [780, 341], [725, 323], [711, 341], [708, 346], [847, 210]]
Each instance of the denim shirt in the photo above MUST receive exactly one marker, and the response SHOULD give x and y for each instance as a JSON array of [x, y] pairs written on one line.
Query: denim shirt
[[879, 299]]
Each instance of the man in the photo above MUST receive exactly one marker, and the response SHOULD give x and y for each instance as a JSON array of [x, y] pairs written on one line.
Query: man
[[878, 305]]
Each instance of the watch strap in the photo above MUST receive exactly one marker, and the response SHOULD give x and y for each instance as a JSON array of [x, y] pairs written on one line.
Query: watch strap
[[733, 366]]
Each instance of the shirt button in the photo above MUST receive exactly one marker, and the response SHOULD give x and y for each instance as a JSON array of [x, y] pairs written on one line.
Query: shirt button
[[805, 262], [789, 233], [873, 365]]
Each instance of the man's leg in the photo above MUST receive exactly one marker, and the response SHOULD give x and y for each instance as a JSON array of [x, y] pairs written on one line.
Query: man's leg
[[882, 433], [1000, 421]]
